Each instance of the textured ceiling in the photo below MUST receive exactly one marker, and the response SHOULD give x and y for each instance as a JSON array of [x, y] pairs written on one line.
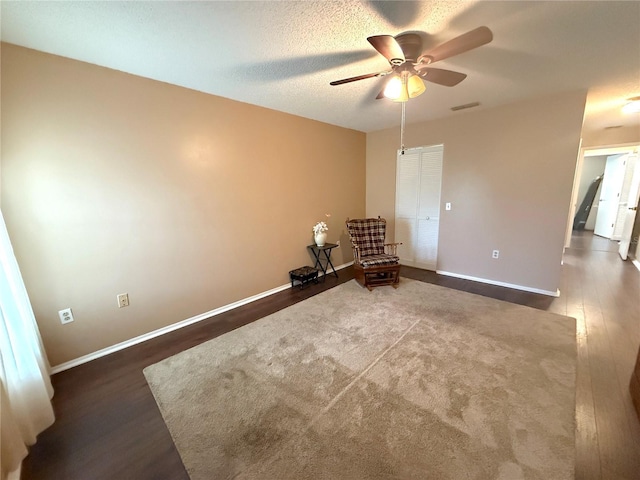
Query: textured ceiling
[[282, 55]]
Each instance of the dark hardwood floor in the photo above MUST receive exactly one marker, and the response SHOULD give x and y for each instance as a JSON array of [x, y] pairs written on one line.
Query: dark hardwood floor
[[108, 425]]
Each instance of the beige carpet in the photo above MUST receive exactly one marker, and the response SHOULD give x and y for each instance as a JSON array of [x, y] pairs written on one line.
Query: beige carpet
[[422, 382]]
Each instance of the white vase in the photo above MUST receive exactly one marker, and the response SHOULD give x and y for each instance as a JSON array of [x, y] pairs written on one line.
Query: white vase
[[320, 238]]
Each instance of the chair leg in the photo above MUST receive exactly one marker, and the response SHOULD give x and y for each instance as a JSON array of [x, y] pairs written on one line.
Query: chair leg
[[360, 277]]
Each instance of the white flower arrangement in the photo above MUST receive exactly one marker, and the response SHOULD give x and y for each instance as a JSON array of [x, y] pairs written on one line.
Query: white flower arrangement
[[321, 227]]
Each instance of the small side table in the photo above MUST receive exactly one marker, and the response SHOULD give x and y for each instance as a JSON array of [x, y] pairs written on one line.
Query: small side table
[[323, 263]]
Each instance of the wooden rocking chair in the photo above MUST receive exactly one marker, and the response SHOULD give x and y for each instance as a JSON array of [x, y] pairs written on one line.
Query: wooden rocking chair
[[375, 263]]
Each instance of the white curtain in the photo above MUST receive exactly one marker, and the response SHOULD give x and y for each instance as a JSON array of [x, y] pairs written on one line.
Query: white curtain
[[25, 386]]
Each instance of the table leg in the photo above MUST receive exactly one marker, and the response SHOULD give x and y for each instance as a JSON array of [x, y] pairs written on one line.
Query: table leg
[[323, 264], [328, 255], [318, 263]]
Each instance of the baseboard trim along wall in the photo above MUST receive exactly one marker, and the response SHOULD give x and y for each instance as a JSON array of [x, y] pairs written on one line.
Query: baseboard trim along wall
[[501, 284], [170, 328]]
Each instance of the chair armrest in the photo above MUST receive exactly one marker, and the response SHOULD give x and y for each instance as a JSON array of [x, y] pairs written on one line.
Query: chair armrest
[[356, 253], [392, 248]]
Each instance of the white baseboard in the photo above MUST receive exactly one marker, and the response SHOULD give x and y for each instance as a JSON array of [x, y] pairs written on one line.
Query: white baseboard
[[175, 326], [501, 284], [636, 262]]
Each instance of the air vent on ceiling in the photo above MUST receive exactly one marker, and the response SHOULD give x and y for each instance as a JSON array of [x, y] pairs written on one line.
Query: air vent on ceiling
[[465, 106]]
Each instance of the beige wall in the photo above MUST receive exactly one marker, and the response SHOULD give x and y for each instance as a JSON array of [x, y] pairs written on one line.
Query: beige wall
[[508, 173], [611, 136], [113, 183]]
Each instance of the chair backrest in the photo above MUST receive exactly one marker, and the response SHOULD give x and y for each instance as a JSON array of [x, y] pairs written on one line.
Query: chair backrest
[[368, 235]]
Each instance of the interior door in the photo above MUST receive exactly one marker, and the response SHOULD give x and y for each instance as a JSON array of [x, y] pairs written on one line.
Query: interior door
[[630, 205], [407, 188], [429, 208], [608, 204], [623, 199], [417, 221]]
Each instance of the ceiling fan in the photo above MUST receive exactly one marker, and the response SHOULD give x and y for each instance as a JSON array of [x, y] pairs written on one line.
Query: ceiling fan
[[410, 65]]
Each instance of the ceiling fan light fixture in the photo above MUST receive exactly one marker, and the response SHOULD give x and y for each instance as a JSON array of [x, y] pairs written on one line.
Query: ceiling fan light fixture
[[394, 88], [400, 88], [415, 86], [632, 106]]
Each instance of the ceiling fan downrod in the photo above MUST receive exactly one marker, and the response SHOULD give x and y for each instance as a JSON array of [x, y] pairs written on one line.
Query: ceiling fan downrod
[[404, 106]]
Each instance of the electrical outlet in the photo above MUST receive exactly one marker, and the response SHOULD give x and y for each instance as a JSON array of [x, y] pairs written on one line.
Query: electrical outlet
[[447, 206], [123, 300], [496, 254], [66, 316]]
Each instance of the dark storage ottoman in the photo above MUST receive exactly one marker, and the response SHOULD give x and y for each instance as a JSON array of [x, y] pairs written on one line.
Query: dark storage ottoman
[[303, 275]]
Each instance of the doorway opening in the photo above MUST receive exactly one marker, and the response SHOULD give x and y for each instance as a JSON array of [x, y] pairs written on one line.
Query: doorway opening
[[605, 198]]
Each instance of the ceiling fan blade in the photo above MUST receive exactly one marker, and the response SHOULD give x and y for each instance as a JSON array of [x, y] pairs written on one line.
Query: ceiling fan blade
[[465, 42], [388, 47], [440, 76], [359, 77]]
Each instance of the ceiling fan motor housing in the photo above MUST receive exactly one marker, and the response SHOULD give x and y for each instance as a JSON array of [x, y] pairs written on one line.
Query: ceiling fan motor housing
[[411, 45]]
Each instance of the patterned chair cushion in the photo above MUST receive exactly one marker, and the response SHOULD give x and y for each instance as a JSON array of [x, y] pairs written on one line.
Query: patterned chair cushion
[[368, 234], [377, 260]]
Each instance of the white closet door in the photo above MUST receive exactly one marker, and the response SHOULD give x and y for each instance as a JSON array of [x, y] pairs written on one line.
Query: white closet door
[[430, 182], [426, 248], [406, 233], [429, 208], [418, 184], [407, 188]]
